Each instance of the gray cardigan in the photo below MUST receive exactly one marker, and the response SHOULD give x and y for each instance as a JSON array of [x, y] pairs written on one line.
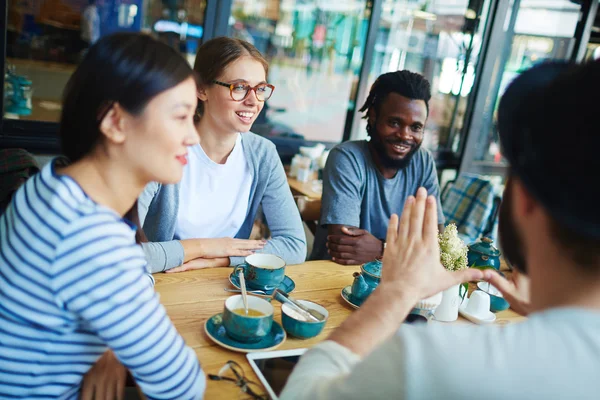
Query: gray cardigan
[[158, 206]]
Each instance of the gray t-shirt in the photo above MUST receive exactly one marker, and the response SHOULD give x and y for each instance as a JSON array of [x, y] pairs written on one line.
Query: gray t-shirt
[[553, 355], [356, 194]]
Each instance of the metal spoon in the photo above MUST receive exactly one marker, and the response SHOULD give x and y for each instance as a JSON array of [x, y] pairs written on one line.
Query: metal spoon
[[244, 294], [309, 313], [261, 292]]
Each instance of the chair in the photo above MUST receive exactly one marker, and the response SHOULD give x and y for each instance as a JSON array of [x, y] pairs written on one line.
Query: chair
[[16, 166], [310, 211], [471, 202]]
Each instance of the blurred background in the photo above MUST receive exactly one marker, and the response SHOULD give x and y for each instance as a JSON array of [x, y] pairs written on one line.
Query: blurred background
[[323, 54]]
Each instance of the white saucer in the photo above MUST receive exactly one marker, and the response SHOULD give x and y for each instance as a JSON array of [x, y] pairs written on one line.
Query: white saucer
[[488, 319]]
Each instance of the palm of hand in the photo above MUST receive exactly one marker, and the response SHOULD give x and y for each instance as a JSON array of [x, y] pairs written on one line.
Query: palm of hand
[[415, 264], [411, 261]]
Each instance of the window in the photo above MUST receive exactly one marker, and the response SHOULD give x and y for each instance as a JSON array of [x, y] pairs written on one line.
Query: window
[[442, 41], [314, 49], [45, 40]]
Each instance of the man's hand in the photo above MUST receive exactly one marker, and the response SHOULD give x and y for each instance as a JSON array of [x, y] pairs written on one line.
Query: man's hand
[[201, 263], [411, 262], [515, 290], [354, 246], [105, 380]]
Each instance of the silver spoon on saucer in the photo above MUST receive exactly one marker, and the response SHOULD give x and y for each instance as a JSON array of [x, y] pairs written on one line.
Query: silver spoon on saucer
[[261, 292]]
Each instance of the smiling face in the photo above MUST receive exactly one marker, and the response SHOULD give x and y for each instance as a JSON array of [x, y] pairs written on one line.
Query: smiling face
[[157, 139], [397, 129], [219, 107]]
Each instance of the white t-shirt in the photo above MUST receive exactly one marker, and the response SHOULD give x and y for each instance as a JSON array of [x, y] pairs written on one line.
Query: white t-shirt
[[555, 354], [213, 198]]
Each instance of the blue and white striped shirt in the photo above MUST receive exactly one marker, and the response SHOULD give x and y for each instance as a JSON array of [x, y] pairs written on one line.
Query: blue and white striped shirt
[[72, 285]]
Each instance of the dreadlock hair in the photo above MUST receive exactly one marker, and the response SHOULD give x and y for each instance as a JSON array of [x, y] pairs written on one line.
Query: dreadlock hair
[[408, 84]]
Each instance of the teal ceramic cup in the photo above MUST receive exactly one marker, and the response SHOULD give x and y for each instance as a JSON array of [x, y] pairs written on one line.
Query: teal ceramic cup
[[295, 325], [497, 301], [247, 329], [262, 271]]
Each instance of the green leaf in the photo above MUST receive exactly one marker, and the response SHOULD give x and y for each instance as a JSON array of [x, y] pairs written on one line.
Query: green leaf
[[482, 267]]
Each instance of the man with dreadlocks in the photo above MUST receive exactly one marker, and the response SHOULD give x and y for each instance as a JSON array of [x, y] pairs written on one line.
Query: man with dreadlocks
[[365, 182]]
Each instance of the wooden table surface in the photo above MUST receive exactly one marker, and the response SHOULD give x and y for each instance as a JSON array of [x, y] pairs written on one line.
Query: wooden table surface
[[308, 189], [191, 297]]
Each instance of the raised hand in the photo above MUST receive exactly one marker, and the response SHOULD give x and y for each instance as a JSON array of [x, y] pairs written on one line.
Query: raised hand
[[411, 261]]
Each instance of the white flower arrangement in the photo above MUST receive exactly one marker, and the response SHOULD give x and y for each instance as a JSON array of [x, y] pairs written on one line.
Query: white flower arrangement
[[453, 251]]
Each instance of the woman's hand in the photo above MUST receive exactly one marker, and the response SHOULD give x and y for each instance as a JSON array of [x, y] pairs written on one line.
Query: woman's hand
[[105, 380], [201, 263], [221, 247]]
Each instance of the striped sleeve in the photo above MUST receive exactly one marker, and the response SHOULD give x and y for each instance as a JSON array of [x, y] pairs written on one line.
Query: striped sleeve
[[99, 276]]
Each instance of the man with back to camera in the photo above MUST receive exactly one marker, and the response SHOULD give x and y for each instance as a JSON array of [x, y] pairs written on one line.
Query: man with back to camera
[[365, 182], [549, 229]]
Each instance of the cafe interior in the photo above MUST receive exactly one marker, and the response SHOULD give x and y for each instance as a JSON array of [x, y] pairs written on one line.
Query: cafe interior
[[323, 57]]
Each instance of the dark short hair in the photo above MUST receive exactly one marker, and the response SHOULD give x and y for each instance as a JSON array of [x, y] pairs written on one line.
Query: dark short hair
[[408, 84], [125, 68], [548, 123]]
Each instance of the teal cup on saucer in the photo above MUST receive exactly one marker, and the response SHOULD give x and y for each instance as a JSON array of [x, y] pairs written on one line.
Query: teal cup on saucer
[[497, 301], [262, 271], [250, 328], [297, 326]]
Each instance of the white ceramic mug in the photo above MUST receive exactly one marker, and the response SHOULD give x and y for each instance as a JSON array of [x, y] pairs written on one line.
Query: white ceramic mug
[[478, 305], [447, 311]]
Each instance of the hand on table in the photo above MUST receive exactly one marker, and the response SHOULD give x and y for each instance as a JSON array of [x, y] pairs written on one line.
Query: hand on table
[[411, 261], [229, 247], [515, 290], [201, 263], [354, 246], [105, 380]]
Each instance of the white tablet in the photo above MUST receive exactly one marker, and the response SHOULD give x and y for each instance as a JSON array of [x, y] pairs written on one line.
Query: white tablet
[[274, 367]]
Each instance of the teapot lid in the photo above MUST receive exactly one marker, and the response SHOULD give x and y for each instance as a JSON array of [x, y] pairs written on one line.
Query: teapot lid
[[372, 268], [485, 246]]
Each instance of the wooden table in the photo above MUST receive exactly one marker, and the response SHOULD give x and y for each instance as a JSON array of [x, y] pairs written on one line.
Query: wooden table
[[190, 298], [304, 189]]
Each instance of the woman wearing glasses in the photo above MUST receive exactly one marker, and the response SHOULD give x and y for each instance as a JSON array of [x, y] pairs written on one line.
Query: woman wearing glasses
[[206, 220]]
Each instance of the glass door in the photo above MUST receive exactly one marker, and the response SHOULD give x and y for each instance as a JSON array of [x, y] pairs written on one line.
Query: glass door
[[534, 31]]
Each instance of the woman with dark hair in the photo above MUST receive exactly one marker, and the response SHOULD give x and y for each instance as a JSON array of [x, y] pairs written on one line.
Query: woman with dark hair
[[74, 290], [206, 220]]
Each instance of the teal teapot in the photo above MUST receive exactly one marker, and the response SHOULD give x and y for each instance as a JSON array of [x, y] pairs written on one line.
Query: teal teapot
[[484, 254], [365, 281]]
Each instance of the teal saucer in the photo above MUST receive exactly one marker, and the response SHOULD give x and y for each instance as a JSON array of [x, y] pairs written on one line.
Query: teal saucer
[[410, 318], [346, 295], [216, 332], [287, 285]]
